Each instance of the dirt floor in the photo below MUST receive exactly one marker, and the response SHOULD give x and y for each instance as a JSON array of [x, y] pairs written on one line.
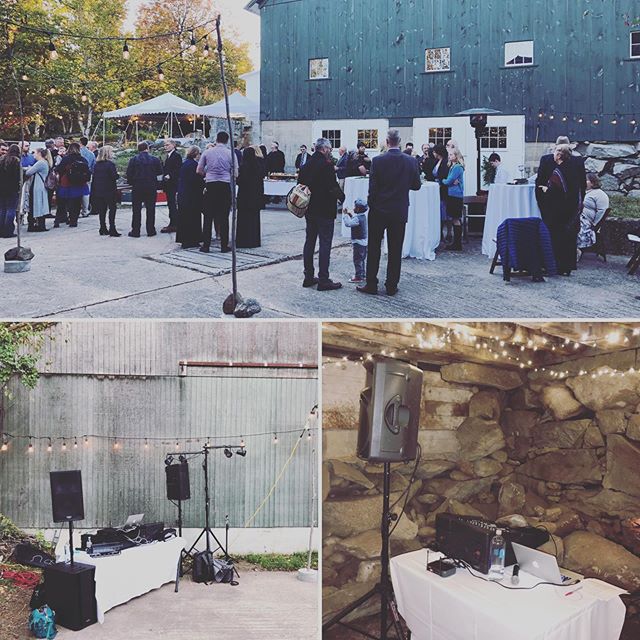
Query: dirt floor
[[14, 612]]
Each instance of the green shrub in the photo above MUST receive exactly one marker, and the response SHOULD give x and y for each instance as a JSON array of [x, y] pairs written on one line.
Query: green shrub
[[624, 207], [281, 561]]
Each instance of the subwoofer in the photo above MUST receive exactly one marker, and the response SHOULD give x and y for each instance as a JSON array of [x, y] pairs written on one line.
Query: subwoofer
[[178, 481], [70, 590], [66, 495], [389, 411]]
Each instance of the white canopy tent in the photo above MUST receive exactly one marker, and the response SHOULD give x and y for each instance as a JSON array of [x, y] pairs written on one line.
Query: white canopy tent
[[167, 103], [239, 105]]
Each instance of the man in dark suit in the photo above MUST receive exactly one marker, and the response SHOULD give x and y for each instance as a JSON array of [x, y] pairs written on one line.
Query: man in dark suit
[[144, 174], [171, 168], [275, 159], [393, 175], [302, 157], [319, 175]]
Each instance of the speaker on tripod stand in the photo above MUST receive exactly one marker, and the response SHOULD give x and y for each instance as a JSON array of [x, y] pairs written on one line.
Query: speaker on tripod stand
[[388, 432]]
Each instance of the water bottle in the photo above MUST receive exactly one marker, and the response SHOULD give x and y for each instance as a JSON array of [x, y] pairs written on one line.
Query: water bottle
[[496, 554], [67, 554], [89, 548]]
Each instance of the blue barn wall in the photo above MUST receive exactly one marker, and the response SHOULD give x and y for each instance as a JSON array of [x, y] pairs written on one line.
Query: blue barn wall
[[376, 62]]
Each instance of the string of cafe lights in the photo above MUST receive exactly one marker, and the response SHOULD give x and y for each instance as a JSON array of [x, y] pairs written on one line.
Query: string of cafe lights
[[590, 119], [513, 352], [117, 443]]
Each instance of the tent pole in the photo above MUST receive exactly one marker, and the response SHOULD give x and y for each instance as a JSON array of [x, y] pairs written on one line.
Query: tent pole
[[104, 131], [137, 134]]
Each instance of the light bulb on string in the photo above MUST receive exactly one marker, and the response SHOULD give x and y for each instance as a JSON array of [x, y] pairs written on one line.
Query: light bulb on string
[[205, 51], [308, 434], [242, 442], [177, 445], [275, 438], [192, 44], [160, 73], [52, 89], [125, 51], [49, 446], [75, 443], [146, 443], [86, 441], [24, 76], [5, 444], [122, 92], [64, 444], [53, 54], [83, 96], [30, 447], [116, 444]]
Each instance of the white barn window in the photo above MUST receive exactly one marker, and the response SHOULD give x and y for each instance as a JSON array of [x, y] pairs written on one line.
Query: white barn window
[[318, 68], [437, 60], [494, 138], [635, 44], [518, 54], [334, 136], [439, 135]]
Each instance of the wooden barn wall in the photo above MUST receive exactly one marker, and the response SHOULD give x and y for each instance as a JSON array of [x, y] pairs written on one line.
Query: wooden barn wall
[[135, 391], [376, 61]]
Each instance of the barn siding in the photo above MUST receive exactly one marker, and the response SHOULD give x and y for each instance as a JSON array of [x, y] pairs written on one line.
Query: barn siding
[[376, 58], [122, 379]]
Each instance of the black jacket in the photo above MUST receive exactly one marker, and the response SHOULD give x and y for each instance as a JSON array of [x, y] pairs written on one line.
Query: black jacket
[[574, 171], [393, 175], [10, 176], [143, 171], [105, 178], [319, 175], [299, 159], [275, 162], [171, 168]]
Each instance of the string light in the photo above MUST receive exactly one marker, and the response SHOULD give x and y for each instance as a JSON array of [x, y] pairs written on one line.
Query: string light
[[49, 446], [64, 445], [275, 438], [24, 76], [205, 51], [116, 444], [125, 51], [30, 447], [53, 54], [122, 91], [146, 443], [192, 44], [86, 441], [75, 443], [52, 89], [83, 96], [160, 73], [242, 442], [5, 443]]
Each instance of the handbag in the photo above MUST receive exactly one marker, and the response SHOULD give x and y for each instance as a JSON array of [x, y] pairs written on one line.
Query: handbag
[[298, 200], [222, 570], [51, 183], [203, 567]]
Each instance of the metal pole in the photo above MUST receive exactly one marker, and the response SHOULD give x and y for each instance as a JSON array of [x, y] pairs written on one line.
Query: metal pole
[[104, 131], [314, 496], [478, 163], [384, 559], [205, 466], [234, 220], [71, 541]]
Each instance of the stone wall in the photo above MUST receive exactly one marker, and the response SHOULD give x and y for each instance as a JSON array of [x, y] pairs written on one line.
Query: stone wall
[[537, 450]]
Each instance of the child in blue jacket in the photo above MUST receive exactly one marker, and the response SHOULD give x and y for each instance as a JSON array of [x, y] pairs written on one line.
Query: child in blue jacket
[[455, 184], [357, 222]]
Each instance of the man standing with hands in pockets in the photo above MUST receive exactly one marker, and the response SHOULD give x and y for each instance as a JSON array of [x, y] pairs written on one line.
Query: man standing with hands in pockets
[[393, 175]]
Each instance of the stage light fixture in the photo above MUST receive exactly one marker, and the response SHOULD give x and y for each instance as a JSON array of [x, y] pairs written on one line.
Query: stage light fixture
[[228, 453], [241, 452], [182, 459], [168, 460]]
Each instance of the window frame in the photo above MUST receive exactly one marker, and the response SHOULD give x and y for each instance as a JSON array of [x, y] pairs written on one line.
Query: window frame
[[333, 139], [363, 138], [437, 137], [327, 77], [425, 70], [497, 137], [507, 65], [633, 44]]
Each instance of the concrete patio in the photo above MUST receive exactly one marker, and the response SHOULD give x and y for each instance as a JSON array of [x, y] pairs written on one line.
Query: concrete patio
[[265, 606], [77, 273]]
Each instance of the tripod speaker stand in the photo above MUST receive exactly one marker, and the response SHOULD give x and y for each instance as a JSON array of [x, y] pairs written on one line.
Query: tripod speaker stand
[[206, 531]]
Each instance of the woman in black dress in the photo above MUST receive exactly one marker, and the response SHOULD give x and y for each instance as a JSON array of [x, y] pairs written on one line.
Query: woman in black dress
[[190, 187], [104, 191], [250, 200], [560, 210]]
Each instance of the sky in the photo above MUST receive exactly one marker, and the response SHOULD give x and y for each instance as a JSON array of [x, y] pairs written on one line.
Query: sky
[[245, 23]]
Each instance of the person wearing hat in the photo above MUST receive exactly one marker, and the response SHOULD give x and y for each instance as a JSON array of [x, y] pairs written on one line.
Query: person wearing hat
[[357, 222]]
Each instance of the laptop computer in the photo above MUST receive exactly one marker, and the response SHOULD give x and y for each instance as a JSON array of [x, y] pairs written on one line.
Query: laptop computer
[[133, 520], [544, 566]]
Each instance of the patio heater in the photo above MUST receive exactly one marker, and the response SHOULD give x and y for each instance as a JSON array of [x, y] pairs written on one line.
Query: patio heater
[[478, 120]]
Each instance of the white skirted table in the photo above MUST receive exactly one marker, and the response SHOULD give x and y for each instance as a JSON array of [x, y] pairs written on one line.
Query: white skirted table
[[278, 187], [507, 201], [463, 607], [133, 572], [422, 235]]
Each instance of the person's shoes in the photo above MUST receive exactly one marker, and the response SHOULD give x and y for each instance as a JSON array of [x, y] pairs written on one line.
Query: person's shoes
[[565, 273], [31, 228], [73, 224], [368, 289], [225, 250], [356, 280], [538, 279], [113, 232], [56, 225], [103, 231], [168, 229], [152, 233], [134, 234], [391, 291], [329, 285], [309, 282], [205, 249]]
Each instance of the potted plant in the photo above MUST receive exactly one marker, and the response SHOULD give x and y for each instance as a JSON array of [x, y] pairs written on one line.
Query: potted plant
[[488, 171]]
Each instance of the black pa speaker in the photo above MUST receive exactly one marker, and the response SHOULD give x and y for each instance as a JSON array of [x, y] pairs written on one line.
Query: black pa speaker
[[66, 495], [70, 590], [389, 411], [178, 481]]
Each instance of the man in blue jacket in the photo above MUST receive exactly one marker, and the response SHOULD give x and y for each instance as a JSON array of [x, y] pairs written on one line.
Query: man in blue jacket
[[393, 175], [144, 174]]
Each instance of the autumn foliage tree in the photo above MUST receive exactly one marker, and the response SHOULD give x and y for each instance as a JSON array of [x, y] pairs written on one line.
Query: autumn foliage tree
[[92, 66]]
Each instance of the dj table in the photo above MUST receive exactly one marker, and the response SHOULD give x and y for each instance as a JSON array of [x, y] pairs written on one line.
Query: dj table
[[463, 607], [133, 572]]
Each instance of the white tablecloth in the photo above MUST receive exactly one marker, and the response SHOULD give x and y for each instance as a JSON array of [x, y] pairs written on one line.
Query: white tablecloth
[[507, 201], [133, 572], [462, 607], [278, 187], [422, 235]]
